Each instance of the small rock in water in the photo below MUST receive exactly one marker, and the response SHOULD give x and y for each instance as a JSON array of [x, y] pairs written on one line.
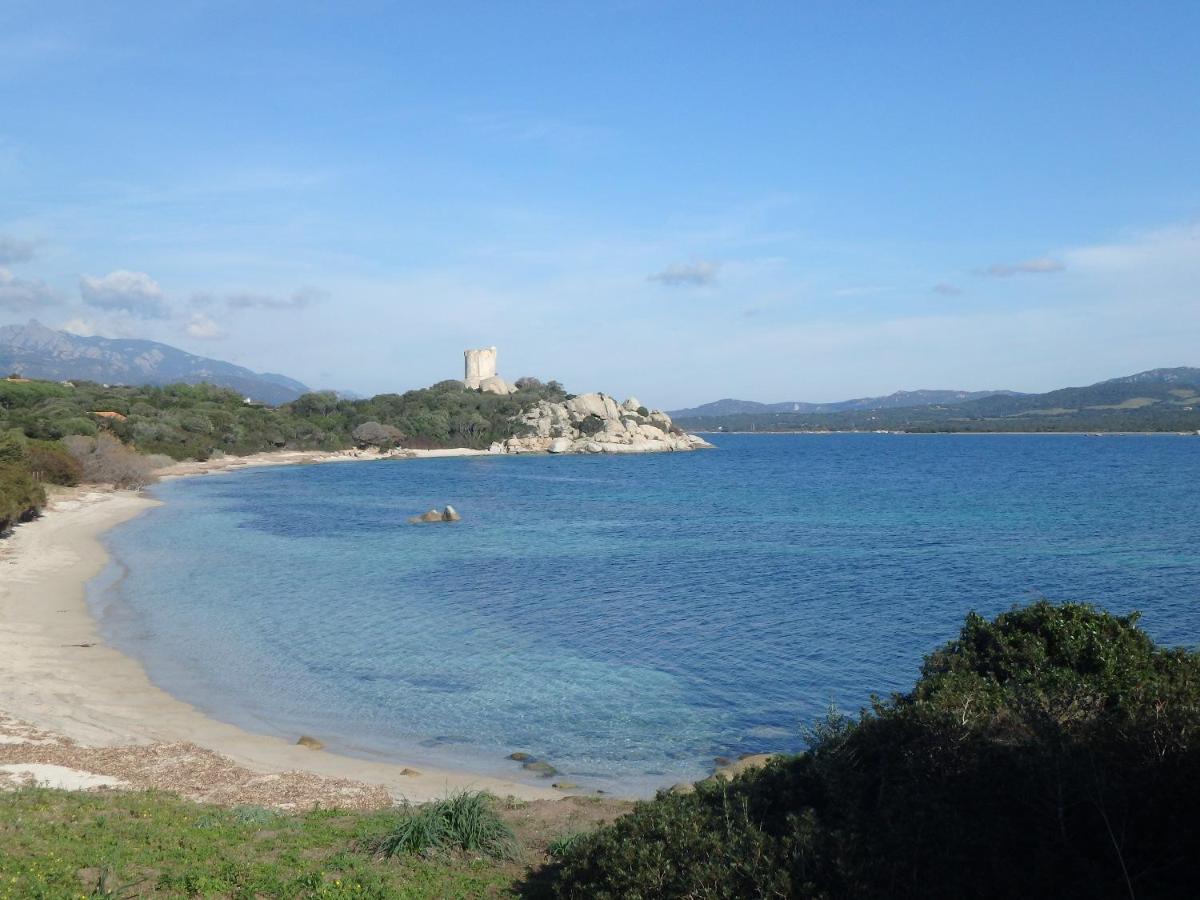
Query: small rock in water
[[542, 768], [310, 742], [449, 514], [519, 756], [565, 785]]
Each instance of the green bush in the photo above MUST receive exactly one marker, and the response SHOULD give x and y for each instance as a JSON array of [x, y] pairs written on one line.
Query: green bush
[[1054, 751], [591, 424], [463, 821], [21, 497], [50, 463]]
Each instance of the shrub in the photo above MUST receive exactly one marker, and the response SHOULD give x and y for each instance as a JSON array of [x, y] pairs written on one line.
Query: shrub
[[105, 460], [21, 498], [373, 434], [591, 424], [50, 462], [463, 821], [1052, 751]]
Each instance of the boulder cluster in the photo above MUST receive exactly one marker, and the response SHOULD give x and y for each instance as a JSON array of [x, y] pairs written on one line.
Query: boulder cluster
[[595, 423]]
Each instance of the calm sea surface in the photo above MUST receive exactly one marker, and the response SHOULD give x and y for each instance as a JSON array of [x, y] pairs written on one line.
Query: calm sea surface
[[629, 618]]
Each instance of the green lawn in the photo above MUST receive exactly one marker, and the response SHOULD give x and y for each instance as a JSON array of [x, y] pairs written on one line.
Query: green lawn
[[56, 844]]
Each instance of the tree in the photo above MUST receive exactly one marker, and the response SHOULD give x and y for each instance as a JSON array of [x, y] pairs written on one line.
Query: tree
[[374, 434]]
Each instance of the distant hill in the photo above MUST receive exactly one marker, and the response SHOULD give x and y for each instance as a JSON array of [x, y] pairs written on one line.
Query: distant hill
[[898, 400], [1156, 400], [35, 351]]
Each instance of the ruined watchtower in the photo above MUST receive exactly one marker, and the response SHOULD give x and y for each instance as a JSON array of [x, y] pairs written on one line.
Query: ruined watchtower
[[479, 365]]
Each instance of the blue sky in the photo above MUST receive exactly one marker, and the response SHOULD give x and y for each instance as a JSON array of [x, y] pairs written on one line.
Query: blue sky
[[686, 201]]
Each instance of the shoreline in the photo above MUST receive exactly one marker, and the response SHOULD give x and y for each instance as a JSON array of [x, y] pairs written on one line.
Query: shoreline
[[60, 682]]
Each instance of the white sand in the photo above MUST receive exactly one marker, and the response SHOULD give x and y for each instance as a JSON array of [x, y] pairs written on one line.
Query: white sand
[[59, 677], [49, 776]]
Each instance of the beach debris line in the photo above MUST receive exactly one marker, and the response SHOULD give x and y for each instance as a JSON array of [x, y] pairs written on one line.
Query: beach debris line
[[449, 514]]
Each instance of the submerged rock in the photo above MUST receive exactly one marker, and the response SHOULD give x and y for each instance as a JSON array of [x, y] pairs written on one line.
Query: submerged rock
[[565, 785], [519, 756], [541, 768], [310, 742]]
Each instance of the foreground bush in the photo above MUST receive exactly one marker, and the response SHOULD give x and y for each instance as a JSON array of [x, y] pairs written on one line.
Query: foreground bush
[[1054, 751], [21, 497]]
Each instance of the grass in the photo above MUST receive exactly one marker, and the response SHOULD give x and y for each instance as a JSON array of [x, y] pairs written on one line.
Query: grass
[[56, 845], [465, 821]]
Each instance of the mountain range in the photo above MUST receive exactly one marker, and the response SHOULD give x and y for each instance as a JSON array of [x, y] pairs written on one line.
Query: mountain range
[[1154, 400], [35, 351], [898, 400]]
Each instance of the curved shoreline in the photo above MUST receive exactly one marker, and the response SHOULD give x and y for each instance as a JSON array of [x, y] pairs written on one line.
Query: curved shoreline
[[57, 675]]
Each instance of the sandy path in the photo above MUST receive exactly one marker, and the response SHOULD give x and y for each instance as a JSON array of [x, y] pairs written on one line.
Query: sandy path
[[57, 676]]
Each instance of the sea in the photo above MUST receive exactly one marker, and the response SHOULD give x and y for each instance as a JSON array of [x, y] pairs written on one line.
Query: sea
[[629, 619]]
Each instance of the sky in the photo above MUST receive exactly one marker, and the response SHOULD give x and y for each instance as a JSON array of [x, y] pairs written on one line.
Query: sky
[[683, 201]]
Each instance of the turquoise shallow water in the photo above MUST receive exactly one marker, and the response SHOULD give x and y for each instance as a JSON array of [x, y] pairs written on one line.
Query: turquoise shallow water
[[630, 618]]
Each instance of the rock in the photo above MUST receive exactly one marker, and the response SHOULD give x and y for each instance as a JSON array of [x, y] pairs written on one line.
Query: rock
[[449, 514], [412, 773], [541, 768], [565, 785], [495, 385], [310, 742], [559, 445], [683, 788], [745, 763], [519, 756], [632, 405], [722, 761]]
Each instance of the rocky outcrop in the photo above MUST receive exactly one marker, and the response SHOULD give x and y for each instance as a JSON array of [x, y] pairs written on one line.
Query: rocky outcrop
[[596, 423], [449, 514]]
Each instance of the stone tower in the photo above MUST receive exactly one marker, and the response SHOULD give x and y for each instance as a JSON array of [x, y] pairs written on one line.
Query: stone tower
[[479, 365]]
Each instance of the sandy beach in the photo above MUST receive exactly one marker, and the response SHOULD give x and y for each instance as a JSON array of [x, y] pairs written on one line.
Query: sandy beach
[[75, 705]]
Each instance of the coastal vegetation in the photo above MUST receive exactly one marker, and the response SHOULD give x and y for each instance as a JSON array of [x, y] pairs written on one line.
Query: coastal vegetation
[[65, 433], [1053, 750]]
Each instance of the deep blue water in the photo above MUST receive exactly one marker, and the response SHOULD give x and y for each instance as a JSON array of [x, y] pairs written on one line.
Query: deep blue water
[[630, 618]]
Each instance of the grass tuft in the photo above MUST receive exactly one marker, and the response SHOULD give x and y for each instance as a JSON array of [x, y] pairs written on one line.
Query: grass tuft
[[464, 821]]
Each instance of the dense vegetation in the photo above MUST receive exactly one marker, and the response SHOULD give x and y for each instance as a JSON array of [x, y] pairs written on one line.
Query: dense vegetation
[[194, 421], [1052, 752], [59, 433]]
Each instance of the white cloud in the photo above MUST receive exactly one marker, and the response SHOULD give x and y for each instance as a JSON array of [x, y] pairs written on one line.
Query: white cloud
[[81, 327], [1041, 266], [24, 295], [135, 293], [695, 274], [203, 328]]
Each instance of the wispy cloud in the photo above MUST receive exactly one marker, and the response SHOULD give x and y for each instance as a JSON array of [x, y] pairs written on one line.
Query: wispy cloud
[[135, 293], [694, 274], [24, 295], [298, 299], [1041, 266], [946, 289], [14, 250], [203, 328]]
